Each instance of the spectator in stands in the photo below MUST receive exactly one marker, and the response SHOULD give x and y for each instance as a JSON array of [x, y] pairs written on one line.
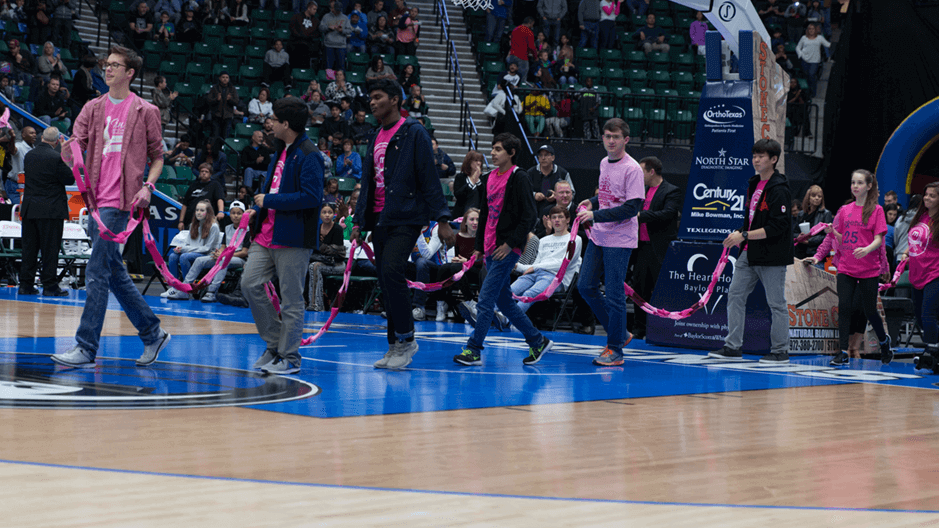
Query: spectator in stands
[[216, 158], [809, 49], [62, 22], [49, 62], [522, 47], [10, 190], [39, 23], [397, 12], [52, 103], [544, 175], [556, 124], [442, 161], [255, 159], [345, 109], [651, 37], [415, 104], [329, 257], [163, 98], [552, 12], [244, 194], [13, 12], [496, 109], [318, 109], [795, 19], [261, 108], [377, 69], [469, 189], [23, 146], [544, 75], [697, 31], [181, 155], [782, 58], [564, 194], [304, 30], [237, 13], [349, 163], [552, 250], [813, 212], [408, 78], [496, 18], [536, 107], [204, 238], [268, 132], [323, 145], [796, 109], [22, 62], [381, 36], [565, 70], [609, 10], [541, 43], [340, 88], [771, 12], [511, 76], [6, 88], [409, 31], [361, 129], [203, 188], [205, 263], [890, 197], [378, 10], [173, 8], [276, 65], [212, 11], [359, 27], [189, 30], [83, 87], [336, 127], [165, 30], [331, 191], [336, 30], [588, 18], [223, 98], [141, 25], [590, 110]]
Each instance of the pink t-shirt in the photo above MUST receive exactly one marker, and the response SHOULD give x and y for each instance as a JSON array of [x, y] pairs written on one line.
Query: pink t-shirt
[[755, 201], [495, 191], [643, 228], [109, 190], [266, 236], [381, 145], [924, 256], [620, 182], [856, 234]]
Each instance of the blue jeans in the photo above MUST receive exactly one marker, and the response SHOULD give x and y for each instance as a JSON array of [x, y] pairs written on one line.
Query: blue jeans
[[531, 285], [424, 270], [811, 73], [106, 273], [926, 309], [495, 292], [12, 189], [253, 177], [522, 66], [205, 263], [335, 58], [180, 263], [494, 28], [638, 7], [611, 263], [552, 29], [591, 30]]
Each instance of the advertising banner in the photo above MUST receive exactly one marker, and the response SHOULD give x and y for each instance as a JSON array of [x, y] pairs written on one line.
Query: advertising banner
[[717, 184], [164, 219], [770, 89]]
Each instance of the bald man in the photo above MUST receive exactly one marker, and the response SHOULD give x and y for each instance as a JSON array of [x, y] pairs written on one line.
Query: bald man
[[44, 207], [23, 147]]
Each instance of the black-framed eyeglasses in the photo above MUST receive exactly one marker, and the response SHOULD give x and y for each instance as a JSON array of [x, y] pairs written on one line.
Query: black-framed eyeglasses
[[114, 65]]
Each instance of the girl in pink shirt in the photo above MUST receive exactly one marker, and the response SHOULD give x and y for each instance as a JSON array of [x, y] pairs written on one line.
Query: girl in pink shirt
[[860, 227], [924, 273]]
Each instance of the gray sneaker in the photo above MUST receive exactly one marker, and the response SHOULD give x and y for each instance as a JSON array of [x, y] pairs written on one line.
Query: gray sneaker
[[209, 297], [177, 295], [383, 362], [418, 314], [500, 321], [77, 357], [467, 311], [268, 358], [151, 351], [281, 366], [402, 355]]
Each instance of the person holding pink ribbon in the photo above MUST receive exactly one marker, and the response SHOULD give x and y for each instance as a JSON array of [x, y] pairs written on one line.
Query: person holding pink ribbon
[[924, 273], [119, 131], [765, 242]]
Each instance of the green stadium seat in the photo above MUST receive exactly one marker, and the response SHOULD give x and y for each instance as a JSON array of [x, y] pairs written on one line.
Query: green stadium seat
[[690, 101], [684, 123], [634, 120], [213, 30], [358, 58], [656, 125], [682, 81], [203, 52], [197, 72], [613, 76], [282, 17], [184, 173], [488, 51], [404, 60], [260, 35], [661, 80], [244, 130], [611, 58], [659, 60], [178, 51], [237, 35], [168, 190], [181, 189], [667, 99], [313, 133], [700, 62], [231, 50], [263, 16], [683, 62], [255, 52], [645, 99], [347, 185], [249, 74], [665, 22], [622, 98], [590, 72], [700, 79], [586, 56], [302, 75]]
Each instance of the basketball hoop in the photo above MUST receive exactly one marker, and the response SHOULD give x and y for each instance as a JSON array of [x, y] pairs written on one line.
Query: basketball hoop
[[473, 4]]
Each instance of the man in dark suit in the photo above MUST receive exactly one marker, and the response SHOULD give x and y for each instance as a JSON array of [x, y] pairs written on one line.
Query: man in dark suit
[[45, 206], [658, 226]]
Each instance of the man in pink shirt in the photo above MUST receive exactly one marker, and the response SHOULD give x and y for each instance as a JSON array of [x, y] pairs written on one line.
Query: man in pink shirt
[[119, 132]]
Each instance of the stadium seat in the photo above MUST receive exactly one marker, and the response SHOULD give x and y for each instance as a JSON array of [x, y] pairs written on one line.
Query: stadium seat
[[634, 120], [659, 60], [661, 80], [260, 35], [683, 62], [667, 99], [656, 125], [682, 81], [586, 57], [248, 75], [178, 51], [684, 123], [611, 58], [244, 130], [645, 99], [637, 79], [203, 52]]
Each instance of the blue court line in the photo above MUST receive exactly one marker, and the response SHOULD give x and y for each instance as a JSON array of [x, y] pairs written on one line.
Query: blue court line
[[454, 493]]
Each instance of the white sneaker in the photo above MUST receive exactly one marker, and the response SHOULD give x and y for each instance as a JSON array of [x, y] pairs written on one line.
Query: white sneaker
[[441, 311], [167, 293], [418, 314], [179, 295]]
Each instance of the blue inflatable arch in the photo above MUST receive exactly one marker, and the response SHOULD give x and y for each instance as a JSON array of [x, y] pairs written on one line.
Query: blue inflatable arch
[[904, 149]]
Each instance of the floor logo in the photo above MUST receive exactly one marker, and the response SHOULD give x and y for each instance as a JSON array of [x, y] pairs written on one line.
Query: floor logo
[[32, 381]]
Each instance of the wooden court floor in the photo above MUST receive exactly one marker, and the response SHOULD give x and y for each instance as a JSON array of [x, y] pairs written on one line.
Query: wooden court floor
[[833, 455]]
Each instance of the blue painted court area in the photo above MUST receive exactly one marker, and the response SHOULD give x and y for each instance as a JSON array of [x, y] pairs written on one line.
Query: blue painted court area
[[338, 379]]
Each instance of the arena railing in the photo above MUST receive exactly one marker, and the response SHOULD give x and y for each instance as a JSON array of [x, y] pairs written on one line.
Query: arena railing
[[455, 75]]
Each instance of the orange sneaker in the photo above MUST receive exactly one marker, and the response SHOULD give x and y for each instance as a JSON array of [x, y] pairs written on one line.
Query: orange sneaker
[[608, 358]]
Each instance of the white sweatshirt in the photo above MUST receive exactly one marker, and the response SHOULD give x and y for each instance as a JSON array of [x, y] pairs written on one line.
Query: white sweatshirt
[[203, 245], [551, 252]]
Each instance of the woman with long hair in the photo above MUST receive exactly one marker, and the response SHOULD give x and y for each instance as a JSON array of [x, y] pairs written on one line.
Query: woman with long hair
[[204, 237], [859, 228], [813, 213], [328, 258], [463, 250], [468, 187], [923, 253]]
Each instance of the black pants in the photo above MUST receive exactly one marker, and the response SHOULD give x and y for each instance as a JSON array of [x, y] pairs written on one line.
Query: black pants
[[393, 246], [646, 268], [272, 75], [860, 294], [41, 235]]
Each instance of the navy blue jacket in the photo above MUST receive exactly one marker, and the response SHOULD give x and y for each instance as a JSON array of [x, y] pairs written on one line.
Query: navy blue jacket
[[413, 194], [297, 203]]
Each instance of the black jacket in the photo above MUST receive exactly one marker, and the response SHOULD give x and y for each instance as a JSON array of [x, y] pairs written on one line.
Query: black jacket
[[661, 219], [413, 195], [820, 216], [517, 217], [46, 177], [249, 157], [465, 195], [773, 215]]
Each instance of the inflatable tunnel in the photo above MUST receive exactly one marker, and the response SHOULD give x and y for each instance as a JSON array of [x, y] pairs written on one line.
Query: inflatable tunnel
[[907, 144]]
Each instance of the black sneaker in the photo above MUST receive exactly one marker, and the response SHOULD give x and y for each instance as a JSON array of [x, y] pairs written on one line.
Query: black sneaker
[[54, 291], [776, 358], [535, 354], [468, 357], [840, 359], [726, 353], [886, 354]]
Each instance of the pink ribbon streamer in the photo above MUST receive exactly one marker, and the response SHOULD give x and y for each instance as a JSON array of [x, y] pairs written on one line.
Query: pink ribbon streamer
[[687, 312], [896, 276], [341, 296], [434, 286], [816, 229], [556, 281]]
